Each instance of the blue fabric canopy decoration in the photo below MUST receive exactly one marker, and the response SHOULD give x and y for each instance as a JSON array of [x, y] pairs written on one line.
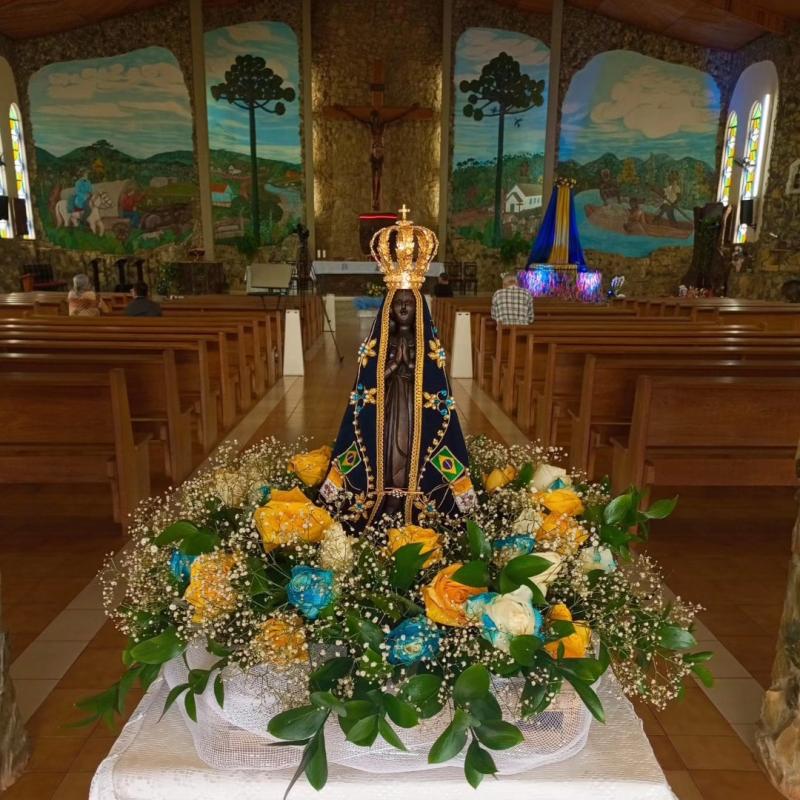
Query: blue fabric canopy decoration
[[558, 243]]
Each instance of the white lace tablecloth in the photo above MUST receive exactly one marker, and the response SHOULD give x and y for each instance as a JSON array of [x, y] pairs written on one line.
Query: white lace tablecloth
[[154, 760]]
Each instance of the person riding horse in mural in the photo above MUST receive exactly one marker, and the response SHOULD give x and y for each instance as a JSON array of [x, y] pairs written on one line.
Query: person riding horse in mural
[[83, 193]]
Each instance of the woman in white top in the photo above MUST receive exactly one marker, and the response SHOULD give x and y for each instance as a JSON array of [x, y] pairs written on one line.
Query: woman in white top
[[83, 301]]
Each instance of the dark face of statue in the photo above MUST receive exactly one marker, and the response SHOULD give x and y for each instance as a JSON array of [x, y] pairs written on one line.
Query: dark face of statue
[[404, 308]]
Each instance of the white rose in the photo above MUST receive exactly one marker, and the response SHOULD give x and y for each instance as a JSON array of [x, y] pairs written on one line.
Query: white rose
[[544, 579], [592, 558], [229, 485], [513, 615], [545, 475], [527, 523], [336, 550]]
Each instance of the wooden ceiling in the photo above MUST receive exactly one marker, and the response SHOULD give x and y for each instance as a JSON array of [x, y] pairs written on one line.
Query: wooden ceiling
[[725, 24]]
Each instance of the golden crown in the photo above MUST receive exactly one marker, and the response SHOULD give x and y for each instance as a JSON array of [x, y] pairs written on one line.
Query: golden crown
[[404, 252]]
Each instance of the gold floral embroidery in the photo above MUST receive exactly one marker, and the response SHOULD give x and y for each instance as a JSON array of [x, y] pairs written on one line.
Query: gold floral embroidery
[[366, 351], [437, 353]]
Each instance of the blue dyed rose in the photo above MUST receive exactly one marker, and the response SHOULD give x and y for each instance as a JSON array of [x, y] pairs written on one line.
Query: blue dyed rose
[[310, 590], [180, 565], [512, 546], [412, 640], [504, 616]]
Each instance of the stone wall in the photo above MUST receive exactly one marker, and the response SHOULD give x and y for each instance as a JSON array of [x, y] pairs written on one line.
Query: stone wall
[[775, 260], [347, 36]]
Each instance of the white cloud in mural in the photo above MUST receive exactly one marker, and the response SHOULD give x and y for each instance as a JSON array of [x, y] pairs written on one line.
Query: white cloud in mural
[[86, 110], [656, 105], [252, 32], [483, 44]]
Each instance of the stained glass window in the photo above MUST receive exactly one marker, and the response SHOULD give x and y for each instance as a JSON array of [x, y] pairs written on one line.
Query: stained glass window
[[727, 159], [5, 226], [753, 152], [20, 165]]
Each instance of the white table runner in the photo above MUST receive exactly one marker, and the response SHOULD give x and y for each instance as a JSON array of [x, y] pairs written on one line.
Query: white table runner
[[154, 760]]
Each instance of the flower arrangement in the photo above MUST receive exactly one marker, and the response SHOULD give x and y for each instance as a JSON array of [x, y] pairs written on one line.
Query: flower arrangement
[[375, 288], [542, 584]]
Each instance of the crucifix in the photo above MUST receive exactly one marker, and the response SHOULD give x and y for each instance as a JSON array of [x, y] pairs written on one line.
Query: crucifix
[[376, 117]]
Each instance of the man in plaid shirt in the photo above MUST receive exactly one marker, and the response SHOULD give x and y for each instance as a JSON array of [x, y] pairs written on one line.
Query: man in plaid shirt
[[512, 305]]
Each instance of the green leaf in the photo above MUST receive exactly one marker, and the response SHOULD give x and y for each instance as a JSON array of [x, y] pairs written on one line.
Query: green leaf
[[421, 688], [524, 648], [124, 685], [696, 658], [308, 753], [525, 476], [326, 676], [481, 760], [217, 649], [534, 698], [364, 631], [517, 572], [190, 705], [486, 708], [561, 628], [389, 734], [159, 649], [479, 547], [672, 637], [588, 695], [400, 712], [200, 542], [430, 708], [219, 690], [472, 684], [297, 723], [498, 734], [373, 667], [473, 573], [317, 767], [661, 508], [585, 669], [620, 511], [408, 561], [704, 674], [198, 680], [474, 778], [328, 700], [175, 532], [452, 739], [365, 731]]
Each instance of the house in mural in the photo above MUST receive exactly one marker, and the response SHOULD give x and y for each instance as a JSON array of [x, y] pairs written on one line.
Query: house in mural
[[638, 136], [115, 172], [222, 195], [523, 197]]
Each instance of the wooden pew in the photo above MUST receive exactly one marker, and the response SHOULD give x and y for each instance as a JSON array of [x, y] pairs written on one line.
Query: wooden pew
[[154, 394], [68, 428], [709, 431]]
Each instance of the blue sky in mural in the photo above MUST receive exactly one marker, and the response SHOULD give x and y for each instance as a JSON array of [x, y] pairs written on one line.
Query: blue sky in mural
[[478, 140], [632, 105], [278, 137], [138, 101]]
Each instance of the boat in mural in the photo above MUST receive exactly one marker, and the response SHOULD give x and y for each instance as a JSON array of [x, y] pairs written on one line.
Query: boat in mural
[[634, 221]]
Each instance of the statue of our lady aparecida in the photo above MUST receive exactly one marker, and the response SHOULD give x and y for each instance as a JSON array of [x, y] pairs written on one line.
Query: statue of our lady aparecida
[[400, 449]]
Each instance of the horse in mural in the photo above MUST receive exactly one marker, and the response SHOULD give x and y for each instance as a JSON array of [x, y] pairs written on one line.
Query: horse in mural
[[98, 201]]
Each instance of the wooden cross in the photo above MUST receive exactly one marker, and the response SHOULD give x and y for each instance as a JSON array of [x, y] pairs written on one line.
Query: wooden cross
[[376, 117]]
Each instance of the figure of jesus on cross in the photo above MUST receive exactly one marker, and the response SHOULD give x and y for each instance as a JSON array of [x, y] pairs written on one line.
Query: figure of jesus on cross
[[376, 118]]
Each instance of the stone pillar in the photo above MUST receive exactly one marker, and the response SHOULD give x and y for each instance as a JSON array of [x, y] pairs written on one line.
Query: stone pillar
[[778, 732], [14, 748]]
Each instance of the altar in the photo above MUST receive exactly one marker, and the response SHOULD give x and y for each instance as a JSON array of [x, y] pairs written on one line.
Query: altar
[[351, 277], [157, 760]]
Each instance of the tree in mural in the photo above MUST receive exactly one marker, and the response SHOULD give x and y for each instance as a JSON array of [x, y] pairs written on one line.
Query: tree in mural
[[251, 85], [501, 90]]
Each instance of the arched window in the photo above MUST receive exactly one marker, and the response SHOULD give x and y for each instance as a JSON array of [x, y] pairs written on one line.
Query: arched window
[[726, 172], [753, 160], [21, 165]]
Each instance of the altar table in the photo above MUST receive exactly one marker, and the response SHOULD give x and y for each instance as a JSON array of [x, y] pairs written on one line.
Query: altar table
[[362, 268], [154, 760]]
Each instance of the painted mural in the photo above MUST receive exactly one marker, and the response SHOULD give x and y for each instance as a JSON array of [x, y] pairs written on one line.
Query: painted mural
[[500, 117], [639, 137], [114, 152], [252, 75]]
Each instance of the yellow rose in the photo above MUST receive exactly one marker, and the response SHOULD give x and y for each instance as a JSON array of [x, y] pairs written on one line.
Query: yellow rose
[[498, 478], [210, 590], [562, 501], [311, 467], [290, 517], [576, 644], [561, 532], [445, 598], [413, 534], [282, 641]]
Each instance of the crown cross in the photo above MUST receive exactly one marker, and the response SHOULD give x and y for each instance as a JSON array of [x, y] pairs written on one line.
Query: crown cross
[[404, 210]]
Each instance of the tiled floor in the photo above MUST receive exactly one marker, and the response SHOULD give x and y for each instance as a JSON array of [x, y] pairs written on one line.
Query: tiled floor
[[725, 549]]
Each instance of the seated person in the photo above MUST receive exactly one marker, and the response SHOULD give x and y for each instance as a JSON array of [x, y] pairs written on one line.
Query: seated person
[[443, 287], [83, 301], [512, 305], [142, 305]]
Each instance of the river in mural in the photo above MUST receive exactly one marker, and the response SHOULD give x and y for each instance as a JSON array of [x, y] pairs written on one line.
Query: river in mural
[[113, 138], [252, 79], [500, 117], [638, 135]]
